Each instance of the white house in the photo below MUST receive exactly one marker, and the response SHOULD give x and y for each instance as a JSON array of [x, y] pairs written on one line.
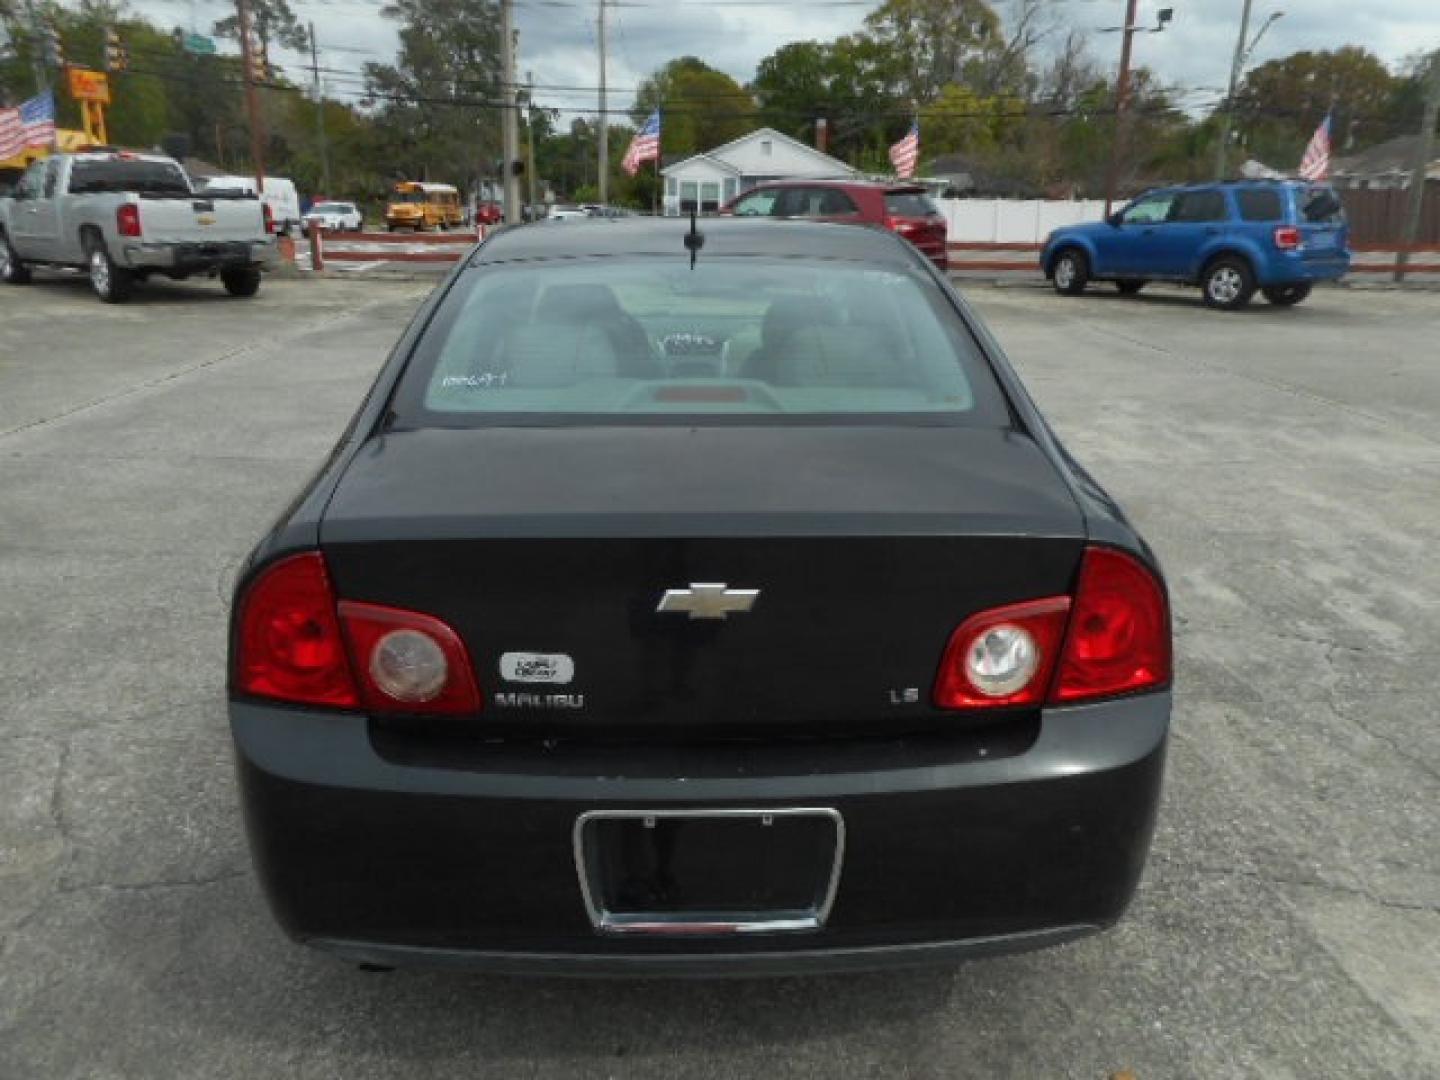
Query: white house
[[707, 181]]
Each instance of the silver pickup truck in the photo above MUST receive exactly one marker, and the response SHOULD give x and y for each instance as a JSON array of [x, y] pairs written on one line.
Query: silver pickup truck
[[122, 217]]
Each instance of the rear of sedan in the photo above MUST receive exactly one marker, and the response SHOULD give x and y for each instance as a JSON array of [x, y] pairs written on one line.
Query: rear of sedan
[[720, 611]]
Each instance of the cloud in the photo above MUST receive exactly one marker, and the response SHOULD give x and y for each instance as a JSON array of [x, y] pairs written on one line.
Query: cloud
[[558, 44]]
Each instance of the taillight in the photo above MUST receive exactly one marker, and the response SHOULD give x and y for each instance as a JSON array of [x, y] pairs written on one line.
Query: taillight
[[1112, 638], [289, 645], [1002, 657], [269, 217], [408, 662], [127, 219], [1287, 238], [1118, 641]]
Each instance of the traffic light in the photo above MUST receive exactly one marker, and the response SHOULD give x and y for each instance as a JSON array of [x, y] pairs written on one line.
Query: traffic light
[[117, 56], [53, 46]]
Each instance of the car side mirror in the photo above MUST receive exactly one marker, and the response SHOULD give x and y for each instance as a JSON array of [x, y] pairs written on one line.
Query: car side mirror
[[1115, 219]]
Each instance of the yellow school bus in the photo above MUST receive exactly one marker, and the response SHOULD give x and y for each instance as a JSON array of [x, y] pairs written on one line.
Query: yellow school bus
[[421, 207]]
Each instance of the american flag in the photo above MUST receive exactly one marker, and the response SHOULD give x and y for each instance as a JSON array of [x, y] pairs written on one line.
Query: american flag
[[905, 153], [1315, 165], [645, 146], [32, 124]]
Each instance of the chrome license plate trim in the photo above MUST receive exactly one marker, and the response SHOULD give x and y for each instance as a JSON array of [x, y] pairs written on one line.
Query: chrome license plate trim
[[666, 924]]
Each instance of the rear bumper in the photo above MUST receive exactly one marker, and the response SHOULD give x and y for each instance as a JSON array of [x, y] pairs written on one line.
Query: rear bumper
[[1291, 268], [950, 851], [197, 258]]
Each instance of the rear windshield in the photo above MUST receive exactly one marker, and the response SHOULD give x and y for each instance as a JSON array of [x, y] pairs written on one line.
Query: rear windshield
[[1321, 206], [331, 208], [153, 177], [1259, 204], [653, 340], [409, 197], [909, 204]]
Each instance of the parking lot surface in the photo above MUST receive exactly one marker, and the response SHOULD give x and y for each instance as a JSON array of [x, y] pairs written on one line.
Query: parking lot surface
[[1286, 465]]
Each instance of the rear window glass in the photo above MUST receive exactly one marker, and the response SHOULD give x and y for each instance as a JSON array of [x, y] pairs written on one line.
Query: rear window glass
[[629, 340], [909, 204], [1258, 205], [1321, 206], [154, 177]]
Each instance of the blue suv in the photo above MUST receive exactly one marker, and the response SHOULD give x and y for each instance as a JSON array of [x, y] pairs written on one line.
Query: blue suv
[[1279, 236]]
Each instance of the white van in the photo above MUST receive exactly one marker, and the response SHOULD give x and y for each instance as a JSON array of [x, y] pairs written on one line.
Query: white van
[[280, 195]]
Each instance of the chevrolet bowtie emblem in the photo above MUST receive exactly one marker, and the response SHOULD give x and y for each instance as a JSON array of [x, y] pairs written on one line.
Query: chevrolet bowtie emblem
[[708, 600]]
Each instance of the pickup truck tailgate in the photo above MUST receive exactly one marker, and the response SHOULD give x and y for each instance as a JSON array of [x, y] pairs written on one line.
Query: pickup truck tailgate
[[200, 220]]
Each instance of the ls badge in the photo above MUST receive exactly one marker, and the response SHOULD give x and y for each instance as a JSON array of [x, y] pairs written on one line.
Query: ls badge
[[708, 600]]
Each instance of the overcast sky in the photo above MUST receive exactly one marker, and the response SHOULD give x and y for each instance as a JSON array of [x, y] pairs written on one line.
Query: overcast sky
[[558, 37]]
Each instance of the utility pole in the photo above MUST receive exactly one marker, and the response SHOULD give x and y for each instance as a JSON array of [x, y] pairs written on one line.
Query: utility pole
[[1122, 95], [1236, 64], [530, 138], [37, 37], [604, 157], [1242, 56], [320, 112], [509, 135], [252, 101], [1424, 152]]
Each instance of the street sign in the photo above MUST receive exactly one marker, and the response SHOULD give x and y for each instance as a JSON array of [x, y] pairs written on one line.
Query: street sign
[[198, 44], [87, 85]]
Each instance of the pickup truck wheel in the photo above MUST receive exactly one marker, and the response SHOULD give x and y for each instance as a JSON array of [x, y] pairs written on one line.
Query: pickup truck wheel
[[12, 270], [1286, 295], [241, 281], [1129, 286], [1228, 283], [112, 284], [1071, 272]]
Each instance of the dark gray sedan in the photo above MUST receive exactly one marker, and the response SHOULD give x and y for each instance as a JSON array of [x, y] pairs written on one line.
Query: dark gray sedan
[[698, 601]]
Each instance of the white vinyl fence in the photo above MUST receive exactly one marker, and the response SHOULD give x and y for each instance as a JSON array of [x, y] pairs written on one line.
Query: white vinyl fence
[[1013, 221]]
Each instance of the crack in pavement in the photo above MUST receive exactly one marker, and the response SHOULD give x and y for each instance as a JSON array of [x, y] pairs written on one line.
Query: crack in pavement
[[1317, 883]]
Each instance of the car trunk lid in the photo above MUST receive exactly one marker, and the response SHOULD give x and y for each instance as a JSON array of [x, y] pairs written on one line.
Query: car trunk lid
[[550, 550]]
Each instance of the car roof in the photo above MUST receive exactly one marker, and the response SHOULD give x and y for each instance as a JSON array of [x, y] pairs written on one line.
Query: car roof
[[888, 186], [599, 237], [1206, 185]]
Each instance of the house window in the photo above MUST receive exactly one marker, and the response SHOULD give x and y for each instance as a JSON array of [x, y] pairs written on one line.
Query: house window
[[710, 197], [689, 196], [732, 188], [670, 185]]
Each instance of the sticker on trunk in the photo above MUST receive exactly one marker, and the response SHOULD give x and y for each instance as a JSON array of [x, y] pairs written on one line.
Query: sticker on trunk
[[528, 667]]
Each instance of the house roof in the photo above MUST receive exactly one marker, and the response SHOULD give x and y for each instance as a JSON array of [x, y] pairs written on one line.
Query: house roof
[[841, 169], [1391, 156], [710, 157]]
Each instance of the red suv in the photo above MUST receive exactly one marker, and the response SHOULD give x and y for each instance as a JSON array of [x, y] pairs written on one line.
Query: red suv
[[902, 208]]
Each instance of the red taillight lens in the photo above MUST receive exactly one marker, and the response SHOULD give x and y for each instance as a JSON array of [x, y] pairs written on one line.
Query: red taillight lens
[[269, 216], [408, 662], [289, 639], [1002, 657], [1119, 636], [1287, 238], [127, 219]]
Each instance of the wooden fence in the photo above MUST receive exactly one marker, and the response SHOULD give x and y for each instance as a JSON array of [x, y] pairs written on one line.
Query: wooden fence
[[1377, 217]]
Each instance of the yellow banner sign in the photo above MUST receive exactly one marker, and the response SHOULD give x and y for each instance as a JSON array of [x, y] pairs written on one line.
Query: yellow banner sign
[[87, 85]]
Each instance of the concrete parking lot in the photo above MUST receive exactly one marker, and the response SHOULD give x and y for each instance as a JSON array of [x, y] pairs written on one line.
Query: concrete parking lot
[[1286, 465]]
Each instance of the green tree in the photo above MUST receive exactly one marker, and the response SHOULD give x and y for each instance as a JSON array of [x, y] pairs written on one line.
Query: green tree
[[700, 108], [935, 42], [435, 102], [1281, 102], [273, 22]]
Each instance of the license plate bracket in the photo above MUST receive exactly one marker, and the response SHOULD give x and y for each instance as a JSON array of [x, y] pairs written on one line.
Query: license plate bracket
[[701, 872]]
